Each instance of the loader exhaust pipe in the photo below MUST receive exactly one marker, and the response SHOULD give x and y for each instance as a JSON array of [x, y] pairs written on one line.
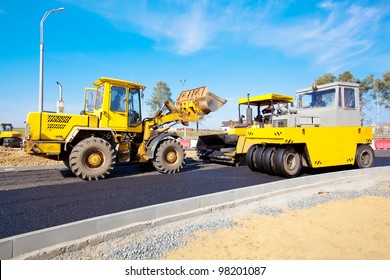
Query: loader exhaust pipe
[[249, 116], [60, 102]]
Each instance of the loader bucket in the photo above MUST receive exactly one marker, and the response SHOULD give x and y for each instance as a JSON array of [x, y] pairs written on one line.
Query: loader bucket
[[199, 100]]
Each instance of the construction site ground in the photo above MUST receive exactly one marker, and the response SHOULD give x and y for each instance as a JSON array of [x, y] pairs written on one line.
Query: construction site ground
[[357, 228]]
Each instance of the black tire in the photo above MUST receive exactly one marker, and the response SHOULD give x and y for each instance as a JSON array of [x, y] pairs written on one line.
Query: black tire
[[92, 159], [66, 163], [249, 158], [258, 162], [6, 142], [268, 160], [365, 156], [170, 157], [288, 162], [65, 156]]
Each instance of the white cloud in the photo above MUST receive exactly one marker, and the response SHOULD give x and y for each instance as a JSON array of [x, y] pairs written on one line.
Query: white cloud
[[327, 4], [334, 34], [335, 40], [185, 32]]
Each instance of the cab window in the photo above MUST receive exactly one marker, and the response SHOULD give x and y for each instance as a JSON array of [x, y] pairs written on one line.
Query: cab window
[[90, 96], [118, 99], [322, 98], [99, 97], [349, 98], [134, 106]]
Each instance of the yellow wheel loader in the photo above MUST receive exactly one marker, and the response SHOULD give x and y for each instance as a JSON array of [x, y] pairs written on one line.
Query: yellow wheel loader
[[323, 131], [111, 129], [9, 137], [231, 147]]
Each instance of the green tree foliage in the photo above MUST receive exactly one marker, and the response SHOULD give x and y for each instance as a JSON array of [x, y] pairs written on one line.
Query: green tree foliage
[[384, 90], [326, 79], [371, 88], [161, 92], [378, 90], [347, 77]]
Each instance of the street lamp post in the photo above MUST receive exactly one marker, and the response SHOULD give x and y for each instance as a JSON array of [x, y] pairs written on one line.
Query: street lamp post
[[41, 57], [183, 83]]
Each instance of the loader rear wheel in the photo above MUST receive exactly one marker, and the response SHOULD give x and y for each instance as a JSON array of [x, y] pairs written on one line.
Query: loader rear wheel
[[92, 159], [250, 156], [170, 157], [288, 162], [364, 156], [268, 160]]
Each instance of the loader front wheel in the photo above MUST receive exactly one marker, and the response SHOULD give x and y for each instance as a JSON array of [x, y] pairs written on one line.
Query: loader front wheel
[[170, 157], [92, 159], [288, 162], [364, 156]]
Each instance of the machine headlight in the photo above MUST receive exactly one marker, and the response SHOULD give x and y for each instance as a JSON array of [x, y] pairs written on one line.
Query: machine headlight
[[27, 131]]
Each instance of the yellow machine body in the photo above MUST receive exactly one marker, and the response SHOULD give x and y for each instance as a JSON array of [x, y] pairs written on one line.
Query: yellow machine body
[[323, 130], [324, 146], [112, 121], [8, 136], [232, 146]]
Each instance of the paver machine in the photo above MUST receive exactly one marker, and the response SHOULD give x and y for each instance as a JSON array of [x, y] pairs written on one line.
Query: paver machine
[[324, 131], [231, 147], [111, 129]]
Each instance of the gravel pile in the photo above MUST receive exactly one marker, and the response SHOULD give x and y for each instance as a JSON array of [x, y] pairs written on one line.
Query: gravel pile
[[313, 200], [17, 157], [156, 242]]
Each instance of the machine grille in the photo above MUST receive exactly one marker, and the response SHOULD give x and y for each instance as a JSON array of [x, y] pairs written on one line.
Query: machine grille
[[57, 122]]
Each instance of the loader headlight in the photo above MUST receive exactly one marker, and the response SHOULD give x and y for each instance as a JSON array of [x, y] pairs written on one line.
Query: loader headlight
[[27, 131]]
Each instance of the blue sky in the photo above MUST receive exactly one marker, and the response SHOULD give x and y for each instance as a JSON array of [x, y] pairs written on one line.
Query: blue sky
[[233, 47]]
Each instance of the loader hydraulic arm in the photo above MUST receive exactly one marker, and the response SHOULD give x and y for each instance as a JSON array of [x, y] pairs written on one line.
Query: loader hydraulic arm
[[191, 106]]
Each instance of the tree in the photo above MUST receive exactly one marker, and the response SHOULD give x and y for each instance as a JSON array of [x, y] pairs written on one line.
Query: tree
[[364, 96], [378, 90], [161, 92], [326, 79], [384, 90], [347, 77]]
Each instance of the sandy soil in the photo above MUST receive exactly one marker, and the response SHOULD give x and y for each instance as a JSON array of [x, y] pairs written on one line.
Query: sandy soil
[[343, 229], [17, 157]]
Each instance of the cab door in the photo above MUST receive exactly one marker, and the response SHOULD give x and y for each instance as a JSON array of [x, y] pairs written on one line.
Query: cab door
[[118, 111]]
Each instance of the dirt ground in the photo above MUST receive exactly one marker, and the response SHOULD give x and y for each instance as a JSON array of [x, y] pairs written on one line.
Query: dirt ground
[[17, 157], [356, 229]]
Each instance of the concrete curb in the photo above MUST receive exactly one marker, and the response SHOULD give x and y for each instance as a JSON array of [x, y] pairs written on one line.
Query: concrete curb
[[109, 226], [31, 167]]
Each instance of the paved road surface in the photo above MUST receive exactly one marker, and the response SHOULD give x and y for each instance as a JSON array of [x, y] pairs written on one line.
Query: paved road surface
[[33, 200]]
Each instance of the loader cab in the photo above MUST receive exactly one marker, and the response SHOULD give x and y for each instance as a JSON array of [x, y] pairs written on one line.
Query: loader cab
[[334, 104], [89, 100], [116, 103]]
